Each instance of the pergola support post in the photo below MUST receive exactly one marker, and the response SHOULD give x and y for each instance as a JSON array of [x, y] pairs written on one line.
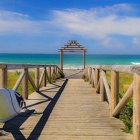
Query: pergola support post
[[61, 59], [84, 53]]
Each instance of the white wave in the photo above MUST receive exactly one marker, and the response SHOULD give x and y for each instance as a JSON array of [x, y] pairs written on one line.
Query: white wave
[[73, 67], [135, 63]]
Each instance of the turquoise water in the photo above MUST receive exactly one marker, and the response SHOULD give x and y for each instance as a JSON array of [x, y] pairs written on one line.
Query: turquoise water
[[70, 60]]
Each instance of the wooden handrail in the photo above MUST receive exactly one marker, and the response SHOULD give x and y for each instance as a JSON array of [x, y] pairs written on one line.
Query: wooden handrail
[[97, 76], [118, 68], [25, 76], [21, 66]]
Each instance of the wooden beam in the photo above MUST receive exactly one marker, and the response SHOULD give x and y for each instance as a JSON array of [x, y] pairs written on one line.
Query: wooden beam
[[3, 77], [25, 84], [106, 85], [136, 108], [70, 47], [102, 88], [97, 73], [19, 81], [90, 75], [32, 82], [41, 77], [98, 87], [45, 77], [84, 60], [50, 74], [114, 90], [70, 50], [37, 74], [93, 77], [123, 101], [61, 59]]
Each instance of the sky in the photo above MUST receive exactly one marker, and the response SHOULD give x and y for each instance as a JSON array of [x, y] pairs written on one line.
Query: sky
[[43, 26]]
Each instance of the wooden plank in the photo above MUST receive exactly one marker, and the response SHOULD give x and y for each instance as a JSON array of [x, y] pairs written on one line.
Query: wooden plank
[[73, 112]]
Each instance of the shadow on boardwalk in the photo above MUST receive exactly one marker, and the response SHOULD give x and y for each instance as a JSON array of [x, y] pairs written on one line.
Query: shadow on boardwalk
[[20, 119]]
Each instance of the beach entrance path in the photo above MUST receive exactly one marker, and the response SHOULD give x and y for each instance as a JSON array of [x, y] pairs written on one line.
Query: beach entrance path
[[66, 110], [73, 74]]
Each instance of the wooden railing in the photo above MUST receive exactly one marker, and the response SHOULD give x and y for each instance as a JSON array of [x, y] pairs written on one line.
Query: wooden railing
[[98, 79], [43, 74]]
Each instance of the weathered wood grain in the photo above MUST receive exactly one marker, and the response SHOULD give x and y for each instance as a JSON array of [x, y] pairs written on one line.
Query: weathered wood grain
[[72, 113]]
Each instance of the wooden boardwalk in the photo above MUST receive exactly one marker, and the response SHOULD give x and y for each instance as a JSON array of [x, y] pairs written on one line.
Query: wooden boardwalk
[[67, 110]]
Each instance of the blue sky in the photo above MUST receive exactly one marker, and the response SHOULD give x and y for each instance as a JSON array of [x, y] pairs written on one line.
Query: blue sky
[[102, 26]]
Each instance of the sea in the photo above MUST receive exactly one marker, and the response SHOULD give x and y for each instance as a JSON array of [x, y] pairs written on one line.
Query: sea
[[71, 61]]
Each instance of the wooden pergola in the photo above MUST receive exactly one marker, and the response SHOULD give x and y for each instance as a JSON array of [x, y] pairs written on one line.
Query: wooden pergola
[[72, 46]]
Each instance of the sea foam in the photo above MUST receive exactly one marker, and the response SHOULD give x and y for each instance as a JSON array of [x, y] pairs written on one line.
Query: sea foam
[[135, 63]]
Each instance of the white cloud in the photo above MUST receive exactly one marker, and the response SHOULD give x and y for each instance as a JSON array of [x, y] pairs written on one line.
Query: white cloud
[[12, 22], [97, 23], [7, 15]]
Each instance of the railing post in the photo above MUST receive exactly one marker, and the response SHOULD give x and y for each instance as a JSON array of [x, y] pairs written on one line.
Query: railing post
[[61, 59], [45, 77], [87, 72], [25, 84], [102, 88], [93, 78], [96, 77], [3, 77], [136, 108], [37, 78], [114, 90], [90, 75], [50, 74]]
